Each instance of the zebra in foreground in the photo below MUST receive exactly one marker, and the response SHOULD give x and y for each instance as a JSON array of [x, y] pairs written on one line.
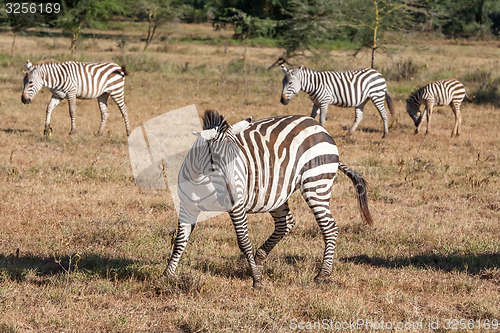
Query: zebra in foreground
[[345, 89], [254, 167], [438, 93], [72, 80]]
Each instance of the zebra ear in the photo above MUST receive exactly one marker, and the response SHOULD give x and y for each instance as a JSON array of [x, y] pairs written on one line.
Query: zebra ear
[[29, 65], [301, 67], [241, 126], [283, 68], [207, 134]]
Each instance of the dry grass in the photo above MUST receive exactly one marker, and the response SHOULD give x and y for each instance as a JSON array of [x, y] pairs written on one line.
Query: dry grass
[[81, 247]]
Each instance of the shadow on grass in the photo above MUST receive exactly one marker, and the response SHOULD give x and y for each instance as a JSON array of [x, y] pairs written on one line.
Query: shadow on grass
[[14, 130], [16, 267], [475, 264]]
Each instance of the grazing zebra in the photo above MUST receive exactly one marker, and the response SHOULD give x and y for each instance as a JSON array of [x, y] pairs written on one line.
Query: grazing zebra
[[254, 167], [72, 80], [344, 89], [438, 93]]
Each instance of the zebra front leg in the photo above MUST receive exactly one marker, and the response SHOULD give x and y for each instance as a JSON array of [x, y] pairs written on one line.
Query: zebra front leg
[[186, 224], [283, 223], [72, 108], [422, 119], [102, 101], [119, 99], [54, 101], [239, 218], [314, 111], [429, 116]]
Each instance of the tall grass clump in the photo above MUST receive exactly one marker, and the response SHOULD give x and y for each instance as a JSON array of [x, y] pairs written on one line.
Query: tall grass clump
[[402, 70], [487, 84]]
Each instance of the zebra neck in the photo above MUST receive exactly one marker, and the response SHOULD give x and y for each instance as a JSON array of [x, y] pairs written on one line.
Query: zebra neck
[[307, 80], [46, 79]]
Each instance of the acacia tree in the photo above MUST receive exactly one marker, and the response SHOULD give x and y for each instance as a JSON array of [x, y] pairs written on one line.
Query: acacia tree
[[156, 13], [375, 16], [79, 14]]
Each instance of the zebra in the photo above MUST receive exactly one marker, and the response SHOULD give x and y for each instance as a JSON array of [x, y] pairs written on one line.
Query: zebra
[[345, 89], [254, 167], [72, 80], [438, 93]]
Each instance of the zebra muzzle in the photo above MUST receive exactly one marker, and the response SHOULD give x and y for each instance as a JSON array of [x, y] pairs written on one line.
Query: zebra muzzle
[[284, 101], [25, 100]]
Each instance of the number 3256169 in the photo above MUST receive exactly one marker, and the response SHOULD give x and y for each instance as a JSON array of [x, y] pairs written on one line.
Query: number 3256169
[[32, 8]]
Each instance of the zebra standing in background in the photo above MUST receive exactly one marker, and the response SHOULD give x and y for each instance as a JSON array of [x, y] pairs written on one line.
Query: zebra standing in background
[[344, 89], [438, 93], [72, 80], [254, 167]]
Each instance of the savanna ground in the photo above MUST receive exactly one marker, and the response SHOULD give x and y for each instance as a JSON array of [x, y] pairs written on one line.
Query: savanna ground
[[82, 247]]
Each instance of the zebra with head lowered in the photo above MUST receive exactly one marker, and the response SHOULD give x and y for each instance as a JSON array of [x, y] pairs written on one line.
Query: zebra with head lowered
[[345, 89], [438, 93], [254, 167], [71, 80]]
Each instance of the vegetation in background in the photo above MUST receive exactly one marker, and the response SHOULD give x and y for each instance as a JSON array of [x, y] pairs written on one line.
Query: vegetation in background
[[79, 14]]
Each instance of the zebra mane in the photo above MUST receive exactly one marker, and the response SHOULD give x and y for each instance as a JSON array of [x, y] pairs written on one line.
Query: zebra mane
[[213, 119], [415, 91], [47, 61]]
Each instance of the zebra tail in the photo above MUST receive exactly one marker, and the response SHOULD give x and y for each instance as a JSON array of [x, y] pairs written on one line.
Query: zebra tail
[[360, 185], [125, 70], [390, 104], [468, 98]]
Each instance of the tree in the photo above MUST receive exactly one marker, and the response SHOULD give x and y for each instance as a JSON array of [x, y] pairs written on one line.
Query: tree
[[305, 26], [374, 16], [156, 13], [79, 14], [19, 22]]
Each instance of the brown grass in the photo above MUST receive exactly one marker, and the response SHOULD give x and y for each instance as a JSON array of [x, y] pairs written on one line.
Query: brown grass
[[81, 247]]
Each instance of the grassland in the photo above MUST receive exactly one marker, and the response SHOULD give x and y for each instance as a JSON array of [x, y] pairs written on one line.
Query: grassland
[[82, 247]]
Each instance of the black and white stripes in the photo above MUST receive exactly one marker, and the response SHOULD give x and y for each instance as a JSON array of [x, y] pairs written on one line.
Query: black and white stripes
[[344, 89], [438, 93], [71, 80], [254, 167]]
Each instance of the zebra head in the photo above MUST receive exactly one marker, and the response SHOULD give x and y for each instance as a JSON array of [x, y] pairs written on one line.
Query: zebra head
[[32, 82], [413, 109], [222, 162], [291, 84]]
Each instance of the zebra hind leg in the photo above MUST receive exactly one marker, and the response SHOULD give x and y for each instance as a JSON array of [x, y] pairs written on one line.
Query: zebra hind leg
[[103, 106], [119, 99], [283, 223], [318, 202], [379, 104]]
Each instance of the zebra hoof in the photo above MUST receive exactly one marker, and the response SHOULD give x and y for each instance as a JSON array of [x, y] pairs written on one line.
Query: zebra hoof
[[321, 278], [47, 131], [98, 133], [73, 132], [258, 285], [260, 256]]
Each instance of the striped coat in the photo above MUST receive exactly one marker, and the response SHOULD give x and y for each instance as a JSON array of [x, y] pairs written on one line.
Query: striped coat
[[438, 93], [345, 89], [254, 167], [71, 80]]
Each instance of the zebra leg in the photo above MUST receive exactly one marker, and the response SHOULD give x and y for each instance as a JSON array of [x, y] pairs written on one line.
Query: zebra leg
[[72, 108], [314, 111], [54, 101], [358, 116], [186, 224], [429, 116], [239, 218], [283, 223], [422, 119], [103, 106], [319, 203], [458, 118], [379, 104], [322, 114], [119, 99]]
